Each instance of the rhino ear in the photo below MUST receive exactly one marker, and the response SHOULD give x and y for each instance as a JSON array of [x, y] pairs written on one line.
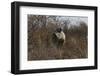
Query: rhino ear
[[58, 29]]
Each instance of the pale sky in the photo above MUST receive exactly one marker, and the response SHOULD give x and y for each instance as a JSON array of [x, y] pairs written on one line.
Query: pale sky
[[75, 20]]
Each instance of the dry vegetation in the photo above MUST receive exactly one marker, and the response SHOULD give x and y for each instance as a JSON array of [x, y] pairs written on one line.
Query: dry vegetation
[[40, 46]]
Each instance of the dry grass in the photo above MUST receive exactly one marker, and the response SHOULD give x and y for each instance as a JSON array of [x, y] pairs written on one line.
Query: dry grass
[[40, 46]]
